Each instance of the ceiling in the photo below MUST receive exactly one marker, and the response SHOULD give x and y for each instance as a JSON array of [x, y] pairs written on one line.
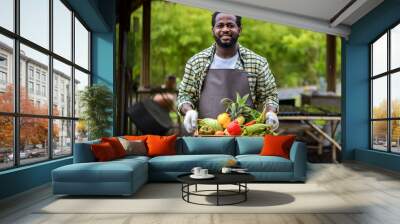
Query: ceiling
[[327, 16]]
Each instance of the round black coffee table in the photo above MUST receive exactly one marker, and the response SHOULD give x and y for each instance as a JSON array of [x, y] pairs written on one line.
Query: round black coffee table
[[238, 179]]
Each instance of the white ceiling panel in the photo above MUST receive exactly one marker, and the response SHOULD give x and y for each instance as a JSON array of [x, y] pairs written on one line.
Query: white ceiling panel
[[327, 16], [322, 9]]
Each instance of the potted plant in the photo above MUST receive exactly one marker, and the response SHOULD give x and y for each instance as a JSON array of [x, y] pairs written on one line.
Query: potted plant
[[96, 104]]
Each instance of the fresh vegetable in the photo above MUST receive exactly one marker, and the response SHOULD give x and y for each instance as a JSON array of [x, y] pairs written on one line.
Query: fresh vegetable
[[226, 132], [233, 121], [234, 128], [212, 123], [206, 130], [254, 114], [224, 119], [257, 130], [261, 119], [250, 123], [219, 133], [240, 120], [237, 108]]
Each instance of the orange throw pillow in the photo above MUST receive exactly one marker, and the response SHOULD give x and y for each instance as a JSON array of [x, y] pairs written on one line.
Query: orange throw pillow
[[136, 137], [103, 152], [277, 145], [161, 145], [116, 145]]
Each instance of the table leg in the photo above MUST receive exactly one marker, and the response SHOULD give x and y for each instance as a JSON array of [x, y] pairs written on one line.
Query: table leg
[[195, 188], [217, 194], [245, 193], [188, 192]]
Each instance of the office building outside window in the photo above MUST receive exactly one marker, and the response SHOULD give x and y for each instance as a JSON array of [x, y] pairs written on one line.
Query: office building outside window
[[36, 92]]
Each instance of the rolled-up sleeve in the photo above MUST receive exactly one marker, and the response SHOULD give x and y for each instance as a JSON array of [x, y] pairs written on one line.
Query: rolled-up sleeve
[[266, 90]]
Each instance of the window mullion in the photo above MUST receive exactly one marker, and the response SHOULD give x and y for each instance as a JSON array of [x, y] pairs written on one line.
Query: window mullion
[[16, 85], [389, 106], [73, 82], [50, 81], [371, 124], [371, 98]]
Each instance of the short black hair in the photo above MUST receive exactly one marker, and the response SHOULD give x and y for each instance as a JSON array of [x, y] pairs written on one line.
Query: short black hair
[[214, 16]]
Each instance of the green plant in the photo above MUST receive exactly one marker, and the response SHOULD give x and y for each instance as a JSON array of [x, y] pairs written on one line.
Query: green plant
[[238, 107], [96, 104]]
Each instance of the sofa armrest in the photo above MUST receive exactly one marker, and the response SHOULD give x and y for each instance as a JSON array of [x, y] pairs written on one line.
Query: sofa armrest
[[83, 152], [298, 155]]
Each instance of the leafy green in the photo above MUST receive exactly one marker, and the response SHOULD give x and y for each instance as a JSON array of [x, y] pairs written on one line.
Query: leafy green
[[211, 123], [238, 107], [257, 130]]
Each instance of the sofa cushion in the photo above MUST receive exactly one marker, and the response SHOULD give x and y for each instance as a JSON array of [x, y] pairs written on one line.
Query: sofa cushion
[[257, 163], [185, 163], [249, 145], [135, 157], [112, 171], [83, 152], [207, 145]]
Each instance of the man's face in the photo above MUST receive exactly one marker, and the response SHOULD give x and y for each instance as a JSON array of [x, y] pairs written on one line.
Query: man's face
[[225, 31]]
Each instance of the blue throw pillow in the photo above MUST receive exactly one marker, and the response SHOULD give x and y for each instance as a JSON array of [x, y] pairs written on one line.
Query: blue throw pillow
[[208, 145], [249, 145]]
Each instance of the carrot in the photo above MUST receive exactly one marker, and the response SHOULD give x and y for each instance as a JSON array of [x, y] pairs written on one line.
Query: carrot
[[250, 123]]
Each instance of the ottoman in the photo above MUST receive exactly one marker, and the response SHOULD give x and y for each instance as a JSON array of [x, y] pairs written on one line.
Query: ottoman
[[119, 177]]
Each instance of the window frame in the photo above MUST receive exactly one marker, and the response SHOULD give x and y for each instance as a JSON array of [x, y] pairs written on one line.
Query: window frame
[[3, 74], [16, 114], [3, 71], [388, 74]]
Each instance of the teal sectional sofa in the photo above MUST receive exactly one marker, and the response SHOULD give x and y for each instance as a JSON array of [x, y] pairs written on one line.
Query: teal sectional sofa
[[125, 176]]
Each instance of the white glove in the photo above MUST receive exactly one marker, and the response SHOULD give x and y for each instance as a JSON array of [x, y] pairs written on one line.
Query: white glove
[[272, 119], [190, 121]]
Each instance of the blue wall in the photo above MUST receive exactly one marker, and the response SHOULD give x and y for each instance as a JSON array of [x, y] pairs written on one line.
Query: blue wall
[[24, 178], [99, 15], [103, 61], [355, 62]]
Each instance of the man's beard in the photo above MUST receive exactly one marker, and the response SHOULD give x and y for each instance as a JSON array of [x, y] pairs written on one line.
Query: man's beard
[[229, 44]]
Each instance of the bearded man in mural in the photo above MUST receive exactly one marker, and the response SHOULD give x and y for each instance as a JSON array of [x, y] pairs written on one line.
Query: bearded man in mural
[[221, 71]]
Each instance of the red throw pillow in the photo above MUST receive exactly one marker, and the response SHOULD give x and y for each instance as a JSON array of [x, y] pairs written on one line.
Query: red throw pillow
[[277, 145], [103, 151], [161, 145], [116, 145], [136, 137]]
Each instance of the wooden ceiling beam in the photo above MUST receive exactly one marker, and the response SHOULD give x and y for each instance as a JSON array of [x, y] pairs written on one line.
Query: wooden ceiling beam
[[135, 4]]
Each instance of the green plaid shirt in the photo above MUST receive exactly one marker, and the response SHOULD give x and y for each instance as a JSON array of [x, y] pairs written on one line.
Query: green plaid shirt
[[261, 81]]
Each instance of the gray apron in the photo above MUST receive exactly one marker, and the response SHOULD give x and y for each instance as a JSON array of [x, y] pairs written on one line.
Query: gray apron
[[219, 84]]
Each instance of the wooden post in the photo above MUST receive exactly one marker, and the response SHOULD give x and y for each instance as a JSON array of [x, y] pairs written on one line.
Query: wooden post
[[121, 74], [331, 62], [334, 125], [145, 74]]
